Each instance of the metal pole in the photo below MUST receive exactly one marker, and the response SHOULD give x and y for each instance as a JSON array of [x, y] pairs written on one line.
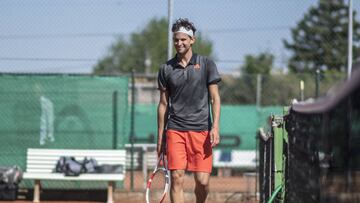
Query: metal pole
[[279, 175], [349, 113], [258, 91], [350, 40], [317, 83], [301, 90], [115, 97], [132, 128], [169, 50]]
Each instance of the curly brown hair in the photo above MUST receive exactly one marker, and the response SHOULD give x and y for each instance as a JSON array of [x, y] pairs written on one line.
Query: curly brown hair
[[183, 22]]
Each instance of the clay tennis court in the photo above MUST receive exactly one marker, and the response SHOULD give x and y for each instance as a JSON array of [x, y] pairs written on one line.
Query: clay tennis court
[[234, 188], [239, 188]]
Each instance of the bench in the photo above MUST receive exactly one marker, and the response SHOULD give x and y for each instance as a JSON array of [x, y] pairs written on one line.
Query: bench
[[144, 158], [40, 164], [224, 161]]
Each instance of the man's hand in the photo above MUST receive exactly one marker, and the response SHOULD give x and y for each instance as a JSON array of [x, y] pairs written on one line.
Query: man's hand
[[214, 137], [160, 148]]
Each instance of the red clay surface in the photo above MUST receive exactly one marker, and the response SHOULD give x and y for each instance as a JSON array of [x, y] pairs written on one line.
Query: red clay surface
[[222, 189]]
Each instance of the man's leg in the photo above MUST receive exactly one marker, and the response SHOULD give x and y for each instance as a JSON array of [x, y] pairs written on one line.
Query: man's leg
[[177, 186], [201, 186]]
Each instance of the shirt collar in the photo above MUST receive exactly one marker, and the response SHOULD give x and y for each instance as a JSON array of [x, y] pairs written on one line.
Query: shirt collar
[[192, 60]]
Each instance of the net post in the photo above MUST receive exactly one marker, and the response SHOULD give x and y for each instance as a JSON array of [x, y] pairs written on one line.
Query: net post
[[132, 129], [114, 116]]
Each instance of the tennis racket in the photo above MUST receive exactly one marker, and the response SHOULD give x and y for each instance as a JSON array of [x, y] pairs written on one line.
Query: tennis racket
[[159, 182]]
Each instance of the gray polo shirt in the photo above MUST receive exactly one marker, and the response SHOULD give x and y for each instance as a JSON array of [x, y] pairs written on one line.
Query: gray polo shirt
[[189, 99]]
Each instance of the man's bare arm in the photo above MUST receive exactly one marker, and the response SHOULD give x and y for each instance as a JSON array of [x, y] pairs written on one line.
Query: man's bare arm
[[215, 110], [162, 113]]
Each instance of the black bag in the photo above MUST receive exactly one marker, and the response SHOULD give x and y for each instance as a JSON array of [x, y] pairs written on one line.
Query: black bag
[[10, 177], [8, 192], [72, 167], [69, 166], [110, 168], [60, 165], [90, 165]]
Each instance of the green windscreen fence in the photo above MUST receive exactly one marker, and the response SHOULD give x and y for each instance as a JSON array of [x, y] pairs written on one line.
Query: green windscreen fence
[[93, 112], [238, 124], [61, 111]]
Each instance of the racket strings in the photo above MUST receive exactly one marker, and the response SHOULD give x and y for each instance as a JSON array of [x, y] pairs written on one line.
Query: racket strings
[[156, 186], [158, 183]]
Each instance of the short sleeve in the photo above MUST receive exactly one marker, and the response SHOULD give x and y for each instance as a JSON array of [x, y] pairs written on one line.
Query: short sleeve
[[213, 75], [162, 83]]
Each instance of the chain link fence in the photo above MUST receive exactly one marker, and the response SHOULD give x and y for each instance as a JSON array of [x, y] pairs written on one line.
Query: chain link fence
[[77, 111], [64, 111], [75, 35], [247, 103], [61, 112]]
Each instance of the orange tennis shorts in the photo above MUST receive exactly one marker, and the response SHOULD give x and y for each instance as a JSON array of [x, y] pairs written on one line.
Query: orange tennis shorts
[[189, 150]]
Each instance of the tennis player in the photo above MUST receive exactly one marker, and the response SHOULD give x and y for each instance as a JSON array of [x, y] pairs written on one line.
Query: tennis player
[[188, 92]]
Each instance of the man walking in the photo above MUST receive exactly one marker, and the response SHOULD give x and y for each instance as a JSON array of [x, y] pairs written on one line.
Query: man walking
[[188, 95]]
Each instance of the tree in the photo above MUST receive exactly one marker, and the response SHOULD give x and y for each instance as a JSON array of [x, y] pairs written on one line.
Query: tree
[[261, 64], [320, 38], [145, 51], [242, 90]]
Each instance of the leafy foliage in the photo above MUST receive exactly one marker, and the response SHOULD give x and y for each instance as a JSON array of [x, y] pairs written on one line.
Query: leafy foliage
[[276, 89], [144, 51], [261, 64], [319, 41]]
